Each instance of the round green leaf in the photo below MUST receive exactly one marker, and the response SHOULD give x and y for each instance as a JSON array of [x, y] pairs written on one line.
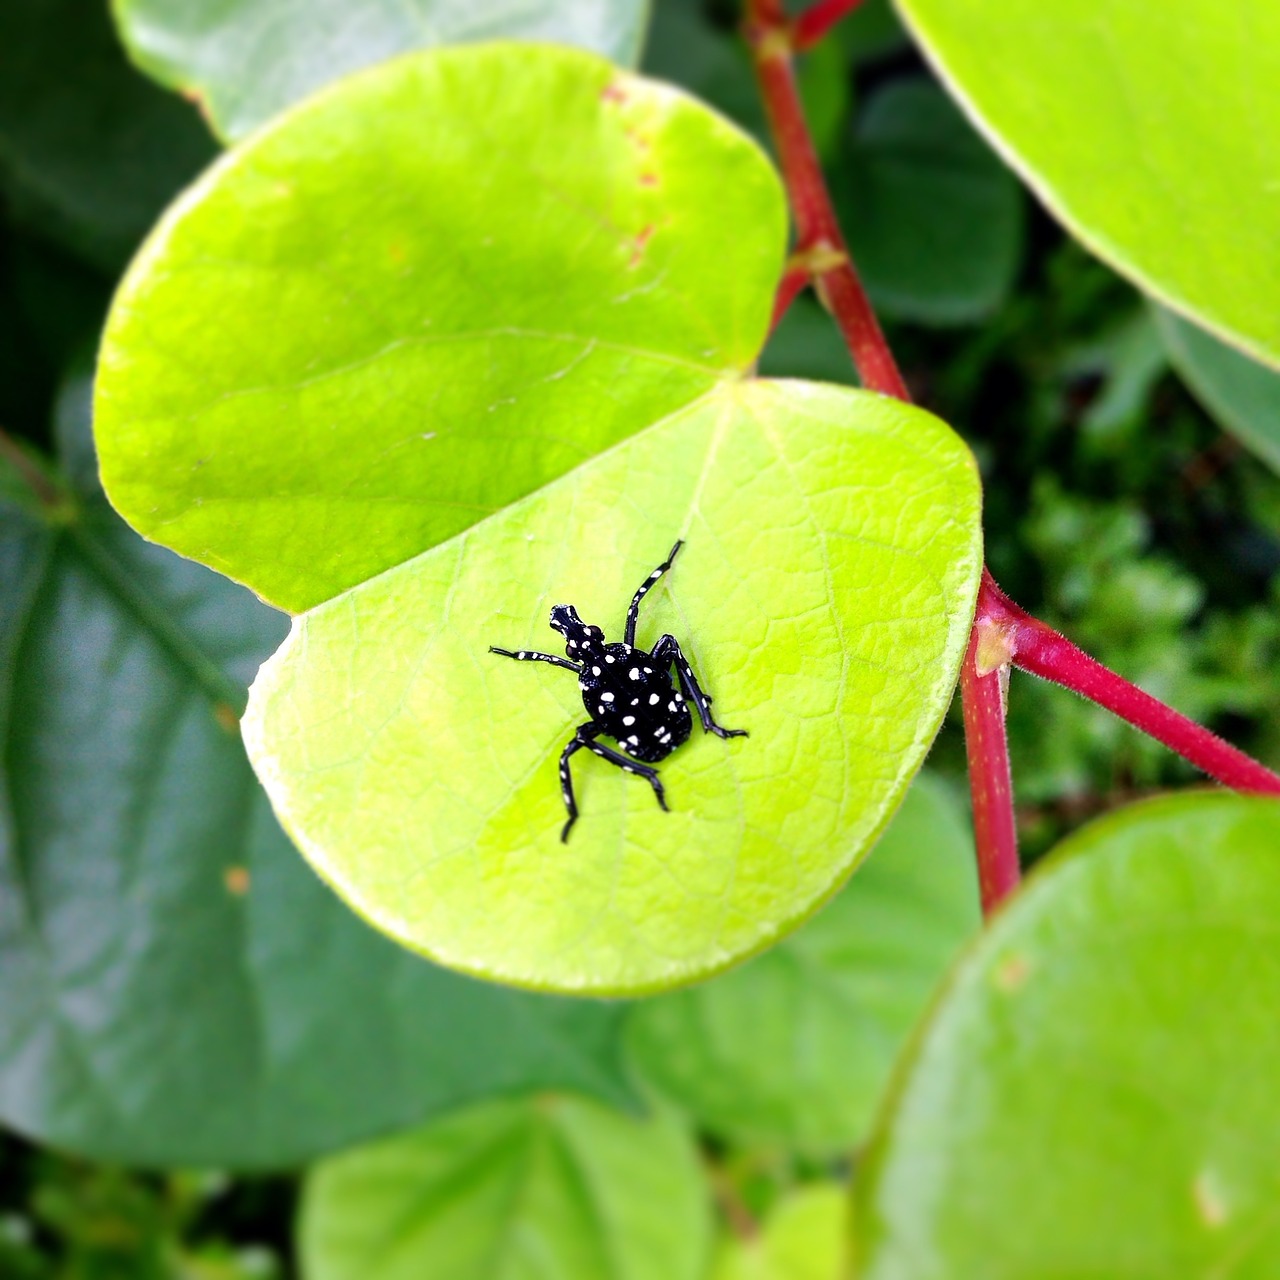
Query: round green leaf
[[796, 1046], [1142, 133], [90, 151], [489, 384], [1095, 1093], [1241, 394], [513, 1191], [804, 1238], [824, 594], [459, 310], [247, 60], [175, 986], [934, 219]]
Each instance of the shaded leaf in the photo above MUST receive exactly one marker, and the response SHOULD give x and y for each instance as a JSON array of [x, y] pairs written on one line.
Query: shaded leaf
[[934, 219], [90, 151], [175, 984], [1241, 394], [796, 1046], [247, 60], [513, 1191]]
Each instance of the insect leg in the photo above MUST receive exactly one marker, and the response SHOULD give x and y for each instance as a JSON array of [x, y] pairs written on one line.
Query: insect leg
[[576, 743], [629, 636], [531, 655], [668, 650], [630, 766]]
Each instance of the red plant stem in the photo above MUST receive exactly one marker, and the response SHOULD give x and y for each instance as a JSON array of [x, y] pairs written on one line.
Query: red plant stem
[[817, 20], [793, 280], [821, 250], [820, 243], [1036, 647], [990, 781]]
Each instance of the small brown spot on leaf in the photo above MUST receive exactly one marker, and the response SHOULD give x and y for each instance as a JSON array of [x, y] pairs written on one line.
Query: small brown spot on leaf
[[225, 714], [613, 92], [640, 243], [1211, 1204], [648, 179], [237, 880], [1011, 972]]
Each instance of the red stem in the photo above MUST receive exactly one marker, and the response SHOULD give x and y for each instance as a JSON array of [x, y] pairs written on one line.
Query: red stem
[[817, 20], [819, 242], [982, 693], [1036, 647], [793, 280]]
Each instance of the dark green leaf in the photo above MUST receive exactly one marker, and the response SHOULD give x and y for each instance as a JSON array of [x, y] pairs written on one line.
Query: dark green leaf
[[247, 60], [90, 151], [934, 219], [175, 984]]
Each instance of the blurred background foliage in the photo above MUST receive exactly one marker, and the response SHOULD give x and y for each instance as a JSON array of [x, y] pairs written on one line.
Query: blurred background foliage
[[1117, 509]]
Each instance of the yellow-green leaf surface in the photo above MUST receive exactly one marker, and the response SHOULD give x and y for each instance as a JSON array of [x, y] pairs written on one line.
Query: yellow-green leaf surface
[[420, 296], [1095, 1094], [803, 1238], [510, 297], [1147, 131], [824, 595], [532, 1189]]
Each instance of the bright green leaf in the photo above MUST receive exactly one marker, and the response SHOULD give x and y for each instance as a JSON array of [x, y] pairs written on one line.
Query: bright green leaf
[[934, 219], [447, 333], [175, 985], [89, 151], [1241, 394], [796, 1046], [1095, 1093], [804, 1238], [825, 594], [491, 384], [247, 60], [513, 1191], [1144, 132]]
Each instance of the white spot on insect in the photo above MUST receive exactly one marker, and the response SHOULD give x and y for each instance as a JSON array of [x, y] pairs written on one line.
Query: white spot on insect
[[654, 699], [671, 706], [635, 742], [680, 699], [657, 573], [522, 655], [648, 671], [600, 709], [634, 673], [635, 702], [628, 719], [595, 671], [626, 768], [606, 696], [608, 657]]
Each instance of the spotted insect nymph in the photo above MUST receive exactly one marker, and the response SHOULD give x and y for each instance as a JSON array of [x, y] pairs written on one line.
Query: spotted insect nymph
[[628, 694]]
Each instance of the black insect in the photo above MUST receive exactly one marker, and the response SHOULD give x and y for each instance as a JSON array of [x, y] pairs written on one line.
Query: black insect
[[627, 693]]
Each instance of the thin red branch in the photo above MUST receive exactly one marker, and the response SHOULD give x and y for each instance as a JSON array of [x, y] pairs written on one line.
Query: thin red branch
[[814, 23], [1036, 647], [818, 237], [982, 693], [793, 280]]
